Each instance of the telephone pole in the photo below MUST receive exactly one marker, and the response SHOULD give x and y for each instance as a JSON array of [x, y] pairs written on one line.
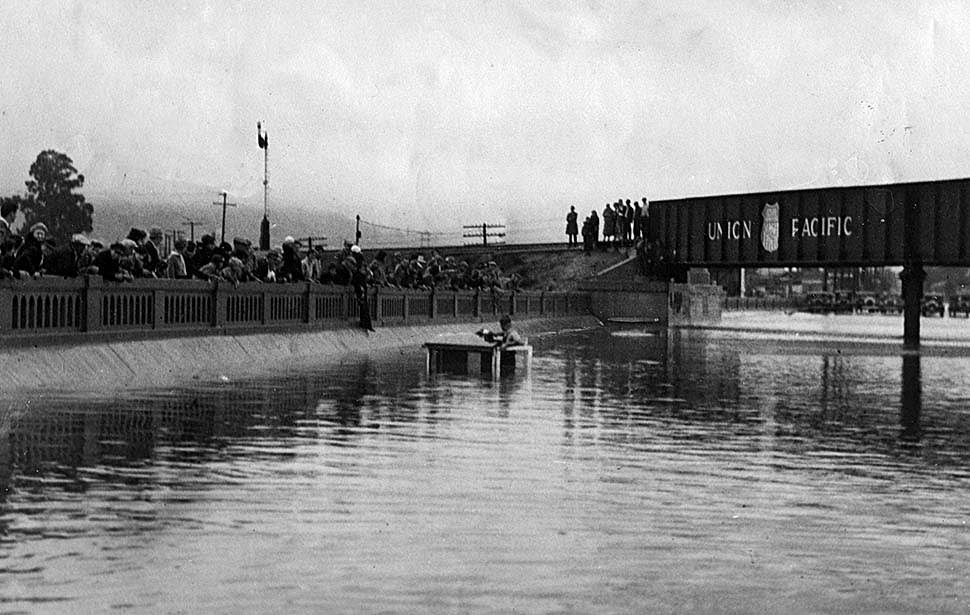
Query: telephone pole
[[262, 139], [224, 204], [191, 224]]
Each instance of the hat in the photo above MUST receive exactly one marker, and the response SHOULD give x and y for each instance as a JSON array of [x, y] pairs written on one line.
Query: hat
[[39, 226], [355, 249], [81, 239], [128, 243], [238, 241], [136, 234], [207, 238], [288, 239], [234, 261]]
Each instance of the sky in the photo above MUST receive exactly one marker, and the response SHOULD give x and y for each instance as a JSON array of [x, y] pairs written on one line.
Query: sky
[[432, 115]]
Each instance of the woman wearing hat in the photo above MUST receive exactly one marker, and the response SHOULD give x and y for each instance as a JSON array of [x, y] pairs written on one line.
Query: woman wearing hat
[[30, 256]]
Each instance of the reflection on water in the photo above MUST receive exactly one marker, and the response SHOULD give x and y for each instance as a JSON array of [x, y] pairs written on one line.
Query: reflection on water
[[683, 473], [912, 398]]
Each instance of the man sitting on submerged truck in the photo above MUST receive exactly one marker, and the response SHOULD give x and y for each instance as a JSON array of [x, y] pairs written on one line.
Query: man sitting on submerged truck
[[505, 338]]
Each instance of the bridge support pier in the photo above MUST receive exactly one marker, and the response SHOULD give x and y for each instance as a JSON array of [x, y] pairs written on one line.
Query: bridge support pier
[[912, 277]]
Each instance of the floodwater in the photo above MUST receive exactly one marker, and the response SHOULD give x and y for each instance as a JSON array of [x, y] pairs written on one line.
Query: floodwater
[[623, 473]]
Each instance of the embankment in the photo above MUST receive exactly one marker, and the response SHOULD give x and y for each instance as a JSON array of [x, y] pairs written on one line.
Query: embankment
[[115, 366]]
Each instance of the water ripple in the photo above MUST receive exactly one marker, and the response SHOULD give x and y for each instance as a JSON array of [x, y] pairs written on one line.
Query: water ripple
[[619, 474]]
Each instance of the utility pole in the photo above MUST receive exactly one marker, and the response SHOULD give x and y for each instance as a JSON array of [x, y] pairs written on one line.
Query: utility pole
[[224, 204], [262, 138], [191, 224], [170, 238], [357, 234], [473, 230]]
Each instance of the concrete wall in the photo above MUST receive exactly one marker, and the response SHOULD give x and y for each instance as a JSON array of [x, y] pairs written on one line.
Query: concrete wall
[[628, 298], [646, 305], [695, 304], [111, 366]]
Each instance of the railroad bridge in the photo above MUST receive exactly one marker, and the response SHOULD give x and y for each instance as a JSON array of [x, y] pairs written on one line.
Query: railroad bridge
[[905, 224]]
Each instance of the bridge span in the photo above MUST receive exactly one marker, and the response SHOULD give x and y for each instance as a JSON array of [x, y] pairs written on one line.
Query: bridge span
[[909, 224]]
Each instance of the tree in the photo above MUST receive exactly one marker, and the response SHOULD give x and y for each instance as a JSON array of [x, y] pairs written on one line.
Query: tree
[[51, 198]]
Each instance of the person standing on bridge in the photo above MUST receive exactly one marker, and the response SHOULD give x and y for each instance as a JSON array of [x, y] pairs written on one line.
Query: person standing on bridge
[[594, 229], [609, 220], [645, 219], [637, 227], [627, 223], [572, 228], [587, 240]]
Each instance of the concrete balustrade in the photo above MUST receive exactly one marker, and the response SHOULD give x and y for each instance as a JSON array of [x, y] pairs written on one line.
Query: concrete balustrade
[[52, 310]]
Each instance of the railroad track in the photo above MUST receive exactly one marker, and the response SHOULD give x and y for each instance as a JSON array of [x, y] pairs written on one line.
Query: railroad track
[[498, 248]]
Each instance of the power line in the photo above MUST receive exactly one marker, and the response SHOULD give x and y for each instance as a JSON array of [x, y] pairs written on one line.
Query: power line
[[407, 231]]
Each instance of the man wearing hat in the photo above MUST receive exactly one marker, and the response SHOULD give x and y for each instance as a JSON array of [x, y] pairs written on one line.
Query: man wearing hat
[[90, 252], [203, 252], [141, 250], [292, 268], [175, 268], [30, 256], [213, 269], [131, 261], [108, 263], [65, 260], [152, 251], [242, 249], [268, 265]]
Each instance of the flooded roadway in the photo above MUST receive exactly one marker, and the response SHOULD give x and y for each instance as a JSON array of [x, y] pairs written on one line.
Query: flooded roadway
[[703, 473]]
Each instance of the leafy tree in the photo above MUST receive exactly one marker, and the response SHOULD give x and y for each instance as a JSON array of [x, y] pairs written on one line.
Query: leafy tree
[[51, 198]]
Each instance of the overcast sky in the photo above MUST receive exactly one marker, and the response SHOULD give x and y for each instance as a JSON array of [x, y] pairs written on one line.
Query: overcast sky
[[434, 114]]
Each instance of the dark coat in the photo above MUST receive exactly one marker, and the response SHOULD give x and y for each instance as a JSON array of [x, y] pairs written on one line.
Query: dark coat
[[292, 269], [571, 227], [108, 266], [30, 256], [63, 261]]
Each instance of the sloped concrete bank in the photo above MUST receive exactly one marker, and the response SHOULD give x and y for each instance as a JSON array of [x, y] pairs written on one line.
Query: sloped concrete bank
[[120, 365]]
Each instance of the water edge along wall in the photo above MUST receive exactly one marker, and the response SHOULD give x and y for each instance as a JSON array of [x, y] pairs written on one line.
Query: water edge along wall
[[84, 334]]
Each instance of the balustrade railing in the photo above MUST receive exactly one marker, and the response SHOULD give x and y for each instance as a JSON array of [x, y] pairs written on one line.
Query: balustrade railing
[[51, 308]]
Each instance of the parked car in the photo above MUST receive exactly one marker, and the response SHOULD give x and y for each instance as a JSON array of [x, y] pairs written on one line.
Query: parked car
[[891, 304], [932, 305], [866, 303], [844, 301], [960, 304], [822, 301]]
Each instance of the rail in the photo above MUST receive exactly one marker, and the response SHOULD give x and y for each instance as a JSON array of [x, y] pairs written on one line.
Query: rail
[[54, 309]]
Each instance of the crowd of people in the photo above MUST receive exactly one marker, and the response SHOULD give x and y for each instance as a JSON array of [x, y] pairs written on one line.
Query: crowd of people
[[140, 255], [624, 224]]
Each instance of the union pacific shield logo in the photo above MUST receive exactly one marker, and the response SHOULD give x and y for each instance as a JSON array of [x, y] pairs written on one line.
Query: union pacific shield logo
[[769, 227]]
